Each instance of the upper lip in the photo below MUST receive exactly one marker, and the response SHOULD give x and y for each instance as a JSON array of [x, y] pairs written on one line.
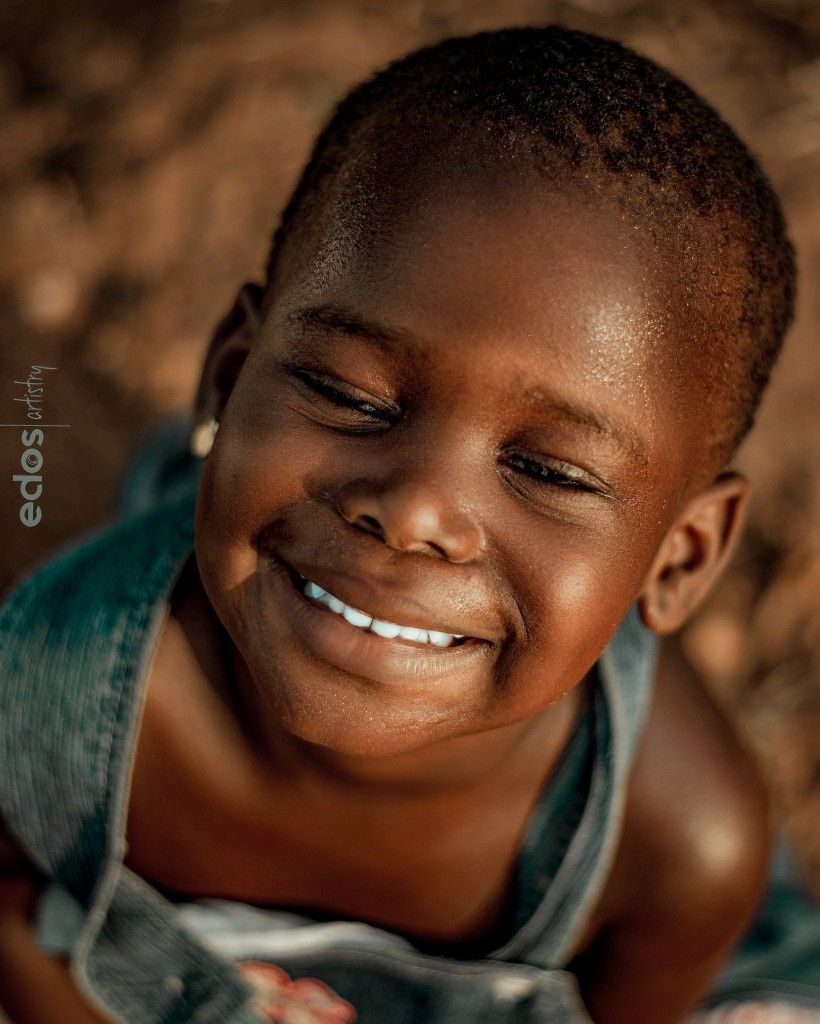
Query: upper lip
[[384, 600]]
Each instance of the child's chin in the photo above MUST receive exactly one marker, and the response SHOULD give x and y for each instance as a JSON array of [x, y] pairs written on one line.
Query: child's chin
[[361, 725]]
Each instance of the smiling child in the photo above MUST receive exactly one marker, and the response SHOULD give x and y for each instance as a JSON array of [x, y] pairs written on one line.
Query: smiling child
[[366, 716]]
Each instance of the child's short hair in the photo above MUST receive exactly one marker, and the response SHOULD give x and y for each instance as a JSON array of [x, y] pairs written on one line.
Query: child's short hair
[[575, 105]]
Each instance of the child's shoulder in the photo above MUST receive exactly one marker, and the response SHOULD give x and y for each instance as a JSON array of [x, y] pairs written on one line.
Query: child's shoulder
[[74, 635], [86, 609], [697, 806], [694, 851]]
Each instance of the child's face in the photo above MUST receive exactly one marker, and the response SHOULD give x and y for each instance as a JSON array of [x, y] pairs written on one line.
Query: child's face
[[465, 418]]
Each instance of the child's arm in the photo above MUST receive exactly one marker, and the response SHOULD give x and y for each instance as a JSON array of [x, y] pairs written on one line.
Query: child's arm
[[35, 987], [692, 864]]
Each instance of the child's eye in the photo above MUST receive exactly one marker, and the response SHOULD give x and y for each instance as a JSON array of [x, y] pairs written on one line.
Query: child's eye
[[344, 396], [555, 473]]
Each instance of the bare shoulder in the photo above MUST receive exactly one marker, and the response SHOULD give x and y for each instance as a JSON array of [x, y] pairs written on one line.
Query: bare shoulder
[[697, 818], [697, 807], [697, 814], [691, 865]]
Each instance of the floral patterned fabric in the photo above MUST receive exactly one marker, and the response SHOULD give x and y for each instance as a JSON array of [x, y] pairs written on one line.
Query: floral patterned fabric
[[284, 1000]]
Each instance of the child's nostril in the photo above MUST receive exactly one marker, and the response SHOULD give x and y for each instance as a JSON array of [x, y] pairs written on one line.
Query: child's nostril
[[370, 525]]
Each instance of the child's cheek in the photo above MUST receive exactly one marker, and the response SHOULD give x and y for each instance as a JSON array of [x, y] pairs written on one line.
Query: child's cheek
[[267, 453], [572, 597]]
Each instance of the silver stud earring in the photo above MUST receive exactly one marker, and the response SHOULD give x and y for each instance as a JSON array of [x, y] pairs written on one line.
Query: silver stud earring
[[202, 437]]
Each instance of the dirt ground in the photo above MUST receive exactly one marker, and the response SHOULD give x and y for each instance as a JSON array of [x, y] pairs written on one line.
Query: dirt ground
[[147, 150]]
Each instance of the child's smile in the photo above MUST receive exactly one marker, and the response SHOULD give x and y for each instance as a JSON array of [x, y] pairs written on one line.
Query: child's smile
[[371, 647], [461, 429], [377, 624]]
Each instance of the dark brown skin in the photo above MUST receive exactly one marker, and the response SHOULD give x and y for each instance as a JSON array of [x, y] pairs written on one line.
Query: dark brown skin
[[476, 491]]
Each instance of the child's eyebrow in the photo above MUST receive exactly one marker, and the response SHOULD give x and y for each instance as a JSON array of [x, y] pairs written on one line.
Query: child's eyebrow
[[342, 321], [588, 419], [339, 320]]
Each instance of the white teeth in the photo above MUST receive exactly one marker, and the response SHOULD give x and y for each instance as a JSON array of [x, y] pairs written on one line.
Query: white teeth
[[409, 633], [390, 630], [356, 618]]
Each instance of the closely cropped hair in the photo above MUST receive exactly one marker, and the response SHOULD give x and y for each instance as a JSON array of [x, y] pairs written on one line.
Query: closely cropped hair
[[553, 96]]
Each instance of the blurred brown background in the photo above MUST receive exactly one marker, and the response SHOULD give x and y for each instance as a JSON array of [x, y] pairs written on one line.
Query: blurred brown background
[[147, 149]]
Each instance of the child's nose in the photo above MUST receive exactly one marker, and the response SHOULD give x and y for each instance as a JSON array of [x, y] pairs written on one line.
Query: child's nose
[[410, 514]]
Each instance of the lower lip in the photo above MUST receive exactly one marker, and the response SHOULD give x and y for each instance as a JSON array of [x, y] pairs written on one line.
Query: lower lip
[[392, 662]]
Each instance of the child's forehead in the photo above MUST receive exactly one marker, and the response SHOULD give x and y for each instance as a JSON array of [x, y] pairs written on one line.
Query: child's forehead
[[510, 259]]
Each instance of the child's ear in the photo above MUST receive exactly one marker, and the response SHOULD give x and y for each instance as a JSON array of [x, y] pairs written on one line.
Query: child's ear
[[232, 341], [693, 554]]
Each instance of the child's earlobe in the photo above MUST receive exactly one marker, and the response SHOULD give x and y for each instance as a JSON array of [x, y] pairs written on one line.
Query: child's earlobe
[[693, 554], [203, 436]]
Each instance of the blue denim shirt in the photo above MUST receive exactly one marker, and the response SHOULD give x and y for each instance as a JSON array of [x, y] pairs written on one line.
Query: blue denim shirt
[[76, 640]]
